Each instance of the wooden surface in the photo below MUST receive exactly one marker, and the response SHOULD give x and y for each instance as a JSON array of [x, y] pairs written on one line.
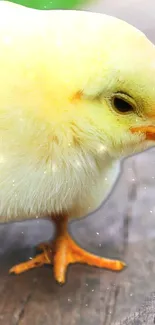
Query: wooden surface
[[123, 228]]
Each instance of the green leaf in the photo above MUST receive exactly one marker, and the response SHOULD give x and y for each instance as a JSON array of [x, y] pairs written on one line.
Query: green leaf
[[50, 4]]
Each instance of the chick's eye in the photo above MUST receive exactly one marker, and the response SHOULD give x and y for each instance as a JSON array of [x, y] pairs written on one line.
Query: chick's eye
[[121, 104]]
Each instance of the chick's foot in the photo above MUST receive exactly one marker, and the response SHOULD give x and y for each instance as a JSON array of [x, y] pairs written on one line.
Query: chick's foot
[[68, 252], [64, 251], [39, 260]]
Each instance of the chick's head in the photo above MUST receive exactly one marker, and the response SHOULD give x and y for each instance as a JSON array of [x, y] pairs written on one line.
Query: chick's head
[[91, 86], [112, 77]]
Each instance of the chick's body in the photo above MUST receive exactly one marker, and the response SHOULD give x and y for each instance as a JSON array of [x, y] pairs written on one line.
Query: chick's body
[[60, 137], [53, 158]]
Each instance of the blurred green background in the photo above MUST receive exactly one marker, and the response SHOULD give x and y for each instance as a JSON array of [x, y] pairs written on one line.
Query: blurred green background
[[51, 4]]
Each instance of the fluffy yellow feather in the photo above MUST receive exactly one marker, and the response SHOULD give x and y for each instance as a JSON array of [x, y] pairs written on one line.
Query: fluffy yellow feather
[[73, 86]]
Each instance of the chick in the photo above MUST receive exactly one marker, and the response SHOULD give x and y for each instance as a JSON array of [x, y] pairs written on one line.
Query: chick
[[77, 93]]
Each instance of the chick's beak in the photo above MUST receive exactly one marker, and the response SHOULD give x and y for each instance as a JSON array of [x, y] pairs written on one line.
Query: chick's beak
[[149, 131]]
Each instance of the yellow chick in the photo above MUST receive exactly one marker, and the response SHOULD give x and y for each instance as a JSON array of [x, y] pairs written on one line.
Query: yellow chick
[[77, 93]]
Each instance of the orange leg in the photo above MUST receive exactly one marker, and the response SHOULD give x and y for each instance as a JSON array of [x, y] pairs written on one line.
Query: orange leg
[[64, 251]]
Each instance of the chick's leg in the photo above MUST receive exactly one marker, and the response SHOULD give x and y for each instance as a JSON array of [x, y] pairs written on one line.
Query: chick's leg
[[65, 251]]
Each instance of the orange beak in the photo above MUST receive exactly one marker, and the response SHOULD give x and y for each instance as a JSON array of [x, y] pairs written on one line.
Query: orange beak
[[149, 131]]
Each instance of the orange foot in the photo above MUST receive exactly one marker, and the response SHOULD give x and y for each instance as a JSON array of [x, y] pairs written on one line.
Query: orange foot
[[62, 252]]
